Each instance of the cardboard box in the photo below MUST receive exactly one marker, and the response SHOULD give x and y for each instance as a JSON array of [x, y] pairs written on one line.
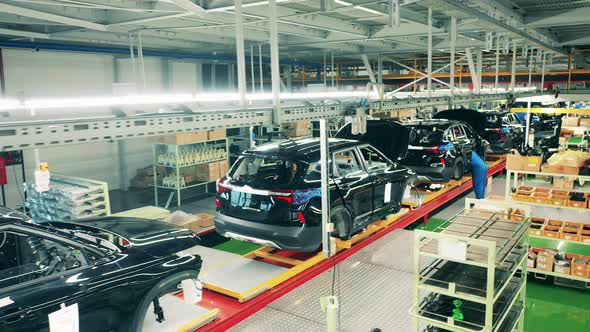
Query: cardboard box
[[545, 260], [562, 266], [204, 220], [184, 138], [559, 200], [570, 231], [206, 172], [216, 134], [570, 121], [584, 122], [223, 168], [540, 197], [581, 266], [560, 169], [297, 129], [536, 226], [563, 183], [516, 162], [552, 228], [585, 235], [531, 259]]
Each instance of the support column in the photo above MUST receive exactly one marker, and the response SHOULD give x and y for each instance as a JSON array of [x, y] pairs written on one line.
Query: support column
[[252, 77], [543, 72], [332, 68], [121, 144], [260, 68], [497, 62], [198, 76], [453, 39], [380, 68], [274, 63], [531, 68], [472, 70], [570, 64], [429, 71], [288, 78], [513, 69], [213, 77], [479, 69], [325, 70], [240, 52]]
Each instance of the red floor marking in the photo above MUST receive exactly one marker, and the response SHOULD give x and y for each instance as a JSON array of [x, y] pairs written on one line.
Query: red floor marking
[[232, 312]]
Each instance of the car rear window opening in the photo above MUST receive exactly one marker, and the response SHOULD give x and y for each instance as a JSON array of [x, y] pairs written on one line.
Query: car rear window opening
[[262, 172], [426, 136]]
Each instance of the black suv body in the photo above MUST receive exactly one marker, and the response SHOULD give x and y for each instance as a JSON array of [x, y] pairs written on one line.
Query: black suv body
[[440, 150], [272, 195], [498, 128]]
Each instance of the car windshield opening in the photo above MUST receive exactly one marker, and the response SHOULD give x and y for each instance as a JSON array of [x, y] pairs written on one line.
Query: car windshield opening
[[264, 172]]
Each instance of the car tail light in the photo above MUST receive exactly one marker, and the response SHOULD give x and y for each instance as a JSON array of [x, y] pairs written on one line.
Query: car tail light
[[217, 203], [282, 195], [433, 149], [503, 139], [494, 130], [301, 217], [443, 161], [221, 188]]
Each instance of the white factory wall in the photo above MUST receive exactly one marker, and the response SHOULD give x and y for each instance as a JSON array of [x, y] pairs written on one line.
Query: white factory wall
[[62, 74]]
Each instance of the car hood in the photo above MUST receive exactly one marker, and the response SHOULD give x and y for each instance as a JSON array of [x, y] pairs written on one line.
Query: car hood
[[387, 136], [475, 119], [153, 236]]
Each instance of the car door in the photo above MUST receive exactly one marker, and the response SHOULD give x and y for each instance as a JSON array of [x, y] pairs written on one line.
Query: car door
[[466, 142], [354, 184], [377, 167], [35, 279]]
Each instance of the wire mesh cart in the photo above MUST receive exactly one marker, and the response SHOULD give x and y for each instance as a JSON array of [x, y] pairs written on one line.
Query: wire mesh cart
[[470, 273]]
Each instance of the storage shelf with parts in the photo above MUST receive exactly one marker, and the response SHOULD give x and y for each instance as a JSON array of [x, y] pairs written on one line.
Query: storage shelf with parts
[[470, 273], [183, 166]]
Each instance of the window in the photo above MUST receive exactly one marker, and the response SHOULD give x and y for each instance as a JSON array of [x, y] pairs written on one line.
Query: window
[[373, 159], [458, 131], [26, 258], [267, 173], [345, 163]]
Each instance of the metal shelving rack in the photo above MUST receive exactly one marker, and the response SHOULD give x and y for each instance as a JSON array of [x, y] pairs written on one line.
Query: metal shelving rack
[[175, 167], [512, 182], [480, 258]]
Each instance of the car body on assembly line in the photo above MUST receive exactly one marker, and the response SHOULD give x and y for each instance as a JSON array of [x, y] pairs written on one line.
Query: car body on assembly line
[[436, 150], [501, 129], [272, 194], [113, 268]]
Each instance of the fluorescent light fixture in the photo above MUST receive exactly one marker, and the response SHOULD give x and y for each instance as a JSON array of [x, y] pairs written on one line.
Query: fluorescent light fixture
[[190, 6], [368, 10], [245, 5]]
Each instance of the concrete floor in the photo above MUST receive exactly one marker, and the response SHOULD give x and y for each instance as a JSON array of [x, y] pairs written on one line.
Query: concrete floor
[[374, 288]]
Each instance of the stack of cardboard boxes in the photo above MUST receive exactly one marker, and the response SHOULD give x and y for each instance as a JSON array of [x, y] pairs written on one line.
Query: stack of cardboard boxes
[[297, 129], [552, 261], [144, 177]]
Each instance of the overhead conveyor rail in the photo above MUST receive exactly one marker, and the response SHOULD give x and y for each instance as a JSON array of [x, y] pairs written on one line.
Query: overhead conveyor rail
[[30, 134]]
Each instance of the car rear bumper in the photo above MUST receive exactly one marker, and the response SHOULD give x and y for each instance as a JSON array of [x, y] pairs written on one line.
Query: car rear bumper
[[439, 174], [303, 238]]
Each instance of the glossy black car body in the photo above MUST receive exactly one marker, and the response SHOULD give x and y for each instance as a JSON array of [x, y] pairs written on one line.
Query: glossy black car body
[[440, 150], [272, 195], [46, 265], [496, 127]]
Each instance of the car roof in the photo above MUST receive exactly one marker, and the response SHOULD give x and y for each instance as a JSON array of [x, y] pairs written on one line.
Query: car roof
[[303, 148], [444, 123]]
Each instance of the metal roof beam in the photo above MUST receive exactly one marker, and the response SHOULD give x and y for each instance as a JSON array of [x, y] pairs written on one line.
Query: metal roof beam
[[21, 33], [21, 11], [554, 18]]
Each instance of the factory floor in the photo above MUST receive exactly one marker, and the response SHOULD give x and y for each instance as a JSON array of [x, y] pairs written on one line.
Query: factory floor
[[549, 307]]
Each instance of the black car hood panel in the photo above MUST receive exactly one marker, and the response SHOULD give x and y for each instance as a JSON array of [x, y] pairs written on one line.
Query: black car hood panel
[[388, 136], [475, 119], [153, 236]]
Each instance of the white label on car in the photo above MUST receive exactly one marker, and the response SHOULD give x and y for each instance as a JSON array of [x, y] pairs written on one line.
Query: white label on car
[[452, 249], [5, 301], [387, 196], [192, 291], [65, 319]]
